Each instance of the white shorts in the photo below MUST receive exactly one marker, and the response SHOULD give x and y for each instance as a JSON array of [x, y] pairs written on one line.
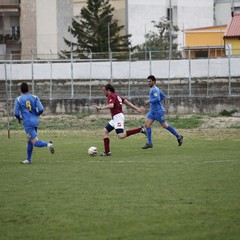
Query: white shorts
[[118, 121]]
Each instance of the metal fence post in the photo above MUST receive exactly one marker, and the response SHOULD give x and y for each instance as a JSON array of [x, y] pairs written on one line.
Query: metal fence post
[[208, 71], [10, 79], [72, 87], [50, 75], [150, 61], [229, 71], [90, 85], [129, 74], [110, 58], [169, 74], [7, 103], [189, 79], [32, 69]]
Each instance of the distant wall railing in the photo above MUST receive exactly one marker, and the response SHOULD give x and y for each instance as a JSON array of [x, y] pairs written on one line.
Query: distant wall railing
[[80, 76]]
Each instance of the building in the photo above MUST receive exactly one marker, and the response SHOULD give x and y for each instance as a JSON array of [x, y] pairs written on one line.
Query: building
[[9, 28], [38, 27], [185, 14], [33, 27], [206, 42], [44, 24], [224, 9], [232, 36]]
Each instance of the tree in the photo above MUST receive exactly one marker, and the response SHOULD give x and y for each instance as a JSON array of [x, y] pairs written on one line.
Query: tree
[[160, 40], [97, 30]]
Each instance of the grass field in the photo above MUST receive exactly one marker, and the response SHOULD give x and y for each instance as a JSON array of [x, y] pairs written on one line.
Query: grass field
[[168, 192]]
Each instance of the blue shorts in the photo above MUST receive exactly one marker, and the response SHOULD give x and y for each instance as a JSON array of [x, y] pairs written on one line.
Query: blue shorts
[[159, 116], [31, 132]]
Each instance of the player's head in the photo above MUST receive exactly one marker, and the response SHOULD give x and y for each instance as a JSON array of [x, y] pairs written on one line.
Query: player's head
[[151, 77], [24, 87], [151, 80], [108, 88]]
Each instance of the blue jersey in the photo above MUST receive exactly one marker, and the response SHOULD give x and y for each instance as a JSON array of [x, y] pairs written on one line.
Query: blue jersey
[[155, 98], [28, 107]]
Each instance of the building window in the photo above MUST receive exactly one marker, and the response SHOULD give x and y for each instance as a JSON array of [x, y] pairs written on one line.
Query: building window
[[169, 14], [236, 9], [201, 54]]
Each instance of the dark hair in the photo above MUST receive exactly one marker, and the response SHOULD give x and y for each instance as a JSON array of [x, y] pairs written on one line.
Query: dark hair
[[24, 87], [152, 78], [109, 87]]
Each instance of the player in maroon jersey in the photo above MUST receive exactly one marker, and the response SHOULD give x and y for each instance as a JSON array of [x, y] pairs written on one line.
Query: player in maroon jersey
[[117, 122]]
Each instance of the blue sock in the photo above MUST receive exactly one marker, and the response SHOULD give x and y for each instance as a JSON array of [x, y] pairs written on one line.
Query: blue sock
[[29, 151], [149, 135], [40, 143], [173, 131]]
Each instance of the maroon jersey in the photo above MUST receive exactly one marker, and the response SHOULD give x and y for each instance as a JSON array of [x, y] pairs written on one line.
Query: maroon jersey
[[117, 101]]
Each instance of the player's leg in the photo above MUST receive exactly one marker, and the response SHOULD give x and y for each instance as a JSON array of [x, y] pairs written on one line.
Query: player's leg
[[106, 140], [29, 153], [119, 127], [148, 123], [172, 130], [39, 143], [141, 129], [31, 136], [121, 134]]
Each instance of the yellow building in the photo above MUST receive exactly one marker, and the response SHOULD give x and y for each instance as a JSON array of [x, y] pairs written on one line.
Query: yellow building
[[232, 36], [205, 42]]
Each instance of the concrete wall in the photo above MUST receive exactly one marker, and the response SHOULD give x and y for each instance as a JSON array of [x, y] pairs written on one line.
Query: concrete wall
[[208, 92], [173, 105], [207, 96], [197, 68]]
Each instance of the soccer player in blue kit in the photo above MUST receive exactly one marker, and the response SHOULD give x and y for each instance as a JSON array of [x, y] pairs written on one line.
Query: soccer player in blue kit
[[27, 109], [157, 112]]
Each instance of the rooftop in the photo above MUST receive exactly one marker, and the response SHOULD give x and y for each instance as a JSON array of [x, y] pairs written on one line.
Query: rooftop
[[233, 28]]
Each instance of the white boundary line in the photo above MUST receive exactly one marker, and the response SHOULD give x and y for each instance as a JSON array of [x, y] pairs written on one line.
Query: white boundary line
[[110, 160]]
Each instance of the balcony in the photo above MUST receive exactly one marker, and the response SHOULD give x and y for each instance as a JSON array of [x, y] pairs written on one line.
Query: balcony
[[10, 8]]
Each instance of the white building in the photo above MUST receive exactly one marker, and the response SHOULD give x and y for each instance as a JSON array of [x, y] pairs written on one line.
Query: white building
[[185, 14], [223, 10], [44, 23]]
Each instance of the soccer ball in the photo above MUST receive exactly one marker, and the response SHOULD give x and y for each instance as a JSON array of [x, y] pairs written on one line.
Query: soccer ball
[[92, 151]]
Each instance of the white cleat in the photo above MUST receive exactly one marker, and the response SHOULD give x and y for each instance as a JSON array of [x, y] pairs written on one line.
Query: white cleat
[[143, 130], [25, 162], [50, 147]]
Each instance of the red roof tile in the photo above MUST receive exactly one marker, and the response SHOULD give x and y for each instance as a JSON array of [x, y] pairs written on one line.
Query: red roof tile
[[233, 28]]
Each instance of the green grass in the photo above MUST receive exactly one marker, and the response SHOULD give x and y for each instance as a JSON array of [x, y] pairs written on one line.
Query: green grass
[[62, 122], [168, 192]]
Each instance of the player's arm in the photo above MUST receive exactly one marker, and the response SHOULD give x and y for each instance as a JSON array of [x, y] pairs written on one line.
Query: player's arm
[[162, 96], [109, 106], [129, 104], [17, 112], [40, 107], [155, 98]]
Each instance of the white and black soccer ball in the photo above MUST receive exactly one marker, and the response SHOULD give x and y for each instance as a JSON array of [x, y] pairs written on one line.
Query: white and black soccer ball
[[92, 151]]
